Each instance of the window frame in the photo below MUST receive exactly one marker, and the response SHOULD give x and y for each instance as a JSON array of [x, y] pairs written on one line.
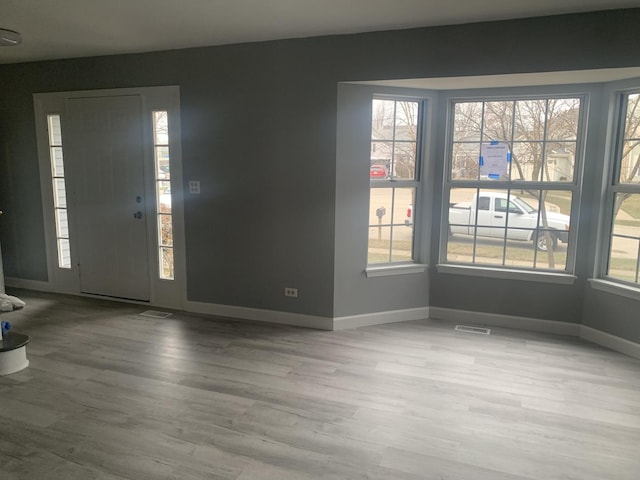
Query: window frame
[[566, 275], [603, 281], [414, 265], [167, 294]]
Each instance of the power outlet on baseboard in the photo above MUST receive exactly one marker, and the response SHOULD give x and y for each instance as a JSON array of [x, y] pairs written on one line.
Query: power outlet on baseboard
[[290, 292]]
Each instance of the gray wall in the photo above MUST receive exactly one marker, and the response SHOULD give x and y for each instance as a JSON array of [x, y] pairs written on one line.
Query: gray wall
[[259, 132]]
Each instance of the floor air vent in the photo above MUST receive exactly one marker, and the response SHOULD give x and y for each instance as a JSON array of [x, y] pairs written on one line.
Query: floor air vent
[[155, 314], [468, 329]]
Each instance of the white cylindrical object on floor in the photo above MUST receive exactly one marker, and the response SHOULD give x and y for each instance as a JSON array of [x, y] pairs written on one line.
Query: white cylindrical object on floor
[[13, 361]]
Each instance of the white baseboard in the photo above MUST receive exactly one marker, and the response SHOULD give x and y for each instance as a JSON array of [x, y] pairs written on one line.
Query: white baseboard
[[507, 321], [377, 318], [536, 325], [353, 321], [260, 315], [610, 341]]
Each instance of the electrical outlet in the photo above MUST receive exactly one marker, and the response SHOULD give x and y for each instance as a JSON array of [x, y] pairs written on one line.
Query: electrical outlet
[[194, 186], [290, 292]]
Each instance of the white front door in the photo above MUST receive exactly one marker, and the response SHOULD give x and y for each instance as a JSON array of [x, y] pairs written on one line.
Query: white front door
[[104, 157]]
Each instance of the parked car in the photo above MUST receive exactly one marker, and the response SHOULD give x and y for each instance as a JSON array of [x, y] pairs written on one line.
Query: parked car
[[495, 209], [492, 218], [378, 172]]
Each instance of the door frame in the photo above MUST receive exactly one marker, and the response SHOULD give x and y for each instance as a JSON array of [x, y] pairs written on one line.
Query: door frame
[[163, 293]]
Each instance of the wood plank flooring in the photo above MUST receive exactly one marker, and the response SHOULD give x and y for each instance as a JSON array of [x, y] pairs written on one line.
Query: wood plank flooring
[[113, 395]]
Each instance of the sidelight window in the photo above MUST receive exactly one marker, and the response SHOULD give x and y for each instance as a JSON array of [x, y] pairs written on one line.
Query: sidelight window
[[163, 194], [59, 190]]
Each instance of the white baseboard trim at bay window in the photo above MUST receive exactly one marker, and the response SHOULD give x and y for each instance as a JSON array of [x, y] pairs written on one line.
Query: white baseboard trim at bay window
[[536, 325], [506, 321], [610, 341], [378, 318]]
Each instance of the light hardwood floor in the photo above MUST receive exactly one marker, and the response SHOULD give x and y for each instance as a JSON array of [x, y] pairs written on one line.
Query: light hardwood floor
[[114, 395]]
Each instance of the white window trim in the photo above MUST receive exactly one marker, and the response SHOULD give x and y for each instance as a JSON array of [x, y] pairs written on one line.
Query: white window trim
[[615, 288], [386, 270], [507, 274]]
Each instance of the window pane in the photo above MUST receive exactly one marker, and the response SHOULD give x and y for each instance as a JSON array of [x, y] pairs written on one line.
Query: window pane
[[404, 200], [559, 161], [382, 119], [406, 120], [529, 120], [498, 121], [490, 250], [160, 128], [62, 223], [64, 253], [379, 244], [55, 132], [623, 264], [464, 161], [381, 156], [402, 246], [59, 193], [632, 117], [164, 196], [467, 122], [527, 161], [520, 255], [166, 231], [166, 263], [562, 119], [625, 241], [630, 156], [391, 220], [57, 162], [162, 163], [629, 167], [460, 248], [404, 161]]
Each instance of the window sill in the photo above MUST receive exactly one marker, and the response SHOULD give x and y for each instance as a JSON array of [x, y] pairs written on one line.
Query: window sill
[[388, 270], [488, 272], [615, 288]]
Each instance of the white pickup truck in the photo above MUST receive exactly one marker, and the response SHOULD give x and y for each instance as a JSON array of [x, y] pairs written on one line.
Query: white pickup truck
[[491, 220], [493, 210]]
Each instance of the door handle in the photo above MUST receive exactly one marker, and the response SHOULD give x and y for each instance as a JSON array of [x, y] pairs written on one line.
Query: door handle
[[498, 216], [137, 215]]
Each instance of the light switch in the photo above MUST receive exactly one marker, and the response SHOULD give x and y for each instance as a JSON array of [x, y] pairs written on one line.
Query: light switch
[[194, 186]]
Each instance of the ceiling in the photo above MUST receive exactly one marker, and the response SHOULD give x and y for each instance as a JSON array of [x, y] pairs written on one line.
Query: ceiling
[[78, 28]]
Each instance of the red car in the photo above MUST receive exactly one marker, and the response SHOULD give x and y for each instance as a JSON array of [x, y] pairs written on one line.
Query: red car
[[378, 171]]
